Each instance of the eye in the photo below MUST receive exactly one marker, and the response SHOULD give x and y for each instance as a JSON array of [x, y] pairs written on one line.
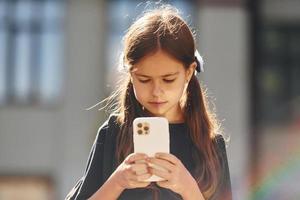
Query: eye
[[144, 81], [169, 80]]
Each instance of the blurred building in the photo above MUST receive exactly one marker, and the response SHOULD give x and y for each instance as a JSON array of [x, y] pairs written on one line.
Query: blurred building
[[58, 58]]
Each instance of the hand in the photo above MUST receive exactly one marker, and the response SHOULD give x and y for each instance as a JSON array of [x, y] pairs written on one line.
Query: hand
[[132, 171], [177, 177]]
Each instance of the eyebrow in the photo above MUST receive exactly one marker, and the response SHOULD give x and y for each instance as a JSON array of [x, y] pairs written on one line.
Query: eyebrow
[[164, 76]]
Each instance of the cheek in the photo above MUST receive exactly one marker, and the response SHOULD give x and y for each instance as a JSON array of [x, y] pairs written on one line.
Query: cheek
[[140, 92], [179, 86], [175, 91], [179, 91]]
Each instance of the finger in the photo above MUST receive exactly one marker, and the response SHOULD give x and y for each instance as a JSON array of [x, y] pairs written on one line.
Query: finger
[[138, 184], [135, 179], [142, 171], [134, 176], [162, 163], [134, 157], [140, 168], [163, 184], [140, 161], [134, 170], [163, 174], [143, 177], [130, 174], [167, 156], [137, 166]]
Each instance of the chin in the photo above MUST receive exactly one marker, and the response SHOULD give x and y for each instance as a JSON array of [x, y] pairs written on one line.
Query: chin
[[157, 113]]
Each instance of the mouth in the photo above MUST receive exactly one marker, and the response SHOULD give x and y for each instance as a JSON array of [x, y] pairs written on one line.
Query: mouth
[[157, 102]]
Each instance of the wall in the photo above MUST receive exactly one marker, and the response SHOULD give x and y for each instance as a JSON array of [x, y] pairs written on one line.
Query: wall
[[56, 142], [223, 41]]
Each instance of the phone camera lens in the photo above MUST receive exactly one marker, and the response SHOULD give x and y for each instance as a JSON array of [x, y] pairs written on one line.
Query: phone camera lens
[[140, 132], [146, 128], [139, 125]]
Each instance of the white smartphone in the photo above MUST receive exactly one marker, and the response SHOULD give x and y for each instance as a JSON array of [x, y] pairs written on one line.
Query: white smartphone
[[151, 135]]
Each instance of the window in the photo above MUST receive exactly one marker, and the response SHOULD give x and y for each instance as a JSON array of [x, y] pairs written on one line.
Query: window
[[278, 72], [31, 53]]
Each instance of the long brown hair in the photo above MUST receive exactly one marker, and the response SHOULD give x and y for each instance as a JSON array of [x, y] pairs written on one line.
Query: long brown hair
[[164, 29]]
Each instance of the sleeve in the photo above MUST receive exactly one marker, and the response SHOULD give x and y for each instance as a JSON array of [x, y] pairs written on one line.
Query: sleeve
[[224, 188], [93, 177]]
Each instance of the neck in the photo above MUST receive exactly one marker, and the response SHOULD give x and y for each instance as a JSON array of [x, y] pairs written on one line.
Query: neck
[[177, 116], [176, 120]]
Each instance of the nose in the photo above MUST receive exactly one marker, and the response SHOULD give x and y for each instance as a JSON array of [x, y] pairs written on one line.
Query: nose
[[157, 89]]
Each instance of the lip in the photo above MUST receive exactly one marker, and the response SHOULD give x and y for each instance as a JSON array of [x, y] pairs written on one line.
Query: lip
[[157, 102]]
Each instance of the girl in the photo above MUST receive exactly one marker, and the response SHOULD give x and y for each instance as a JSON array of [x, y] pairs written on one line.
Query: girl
[[159, 57]]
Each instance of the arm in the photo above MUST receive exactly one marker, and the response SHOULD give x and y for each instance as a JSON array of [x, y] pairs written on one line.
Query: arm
[[110, 190], [94, 185], [193, 193], [129, 174], [224, 188], [177, 177], [92, 178]]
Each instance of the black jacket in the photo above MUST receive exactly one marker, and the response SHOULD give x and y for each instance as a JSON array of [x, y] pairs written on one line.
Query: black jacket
[[101, 164]]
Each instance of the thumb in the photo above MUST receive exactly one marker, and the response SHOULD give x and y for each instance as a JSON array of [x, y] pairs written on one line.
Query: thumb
[[163, 184], [142, 184]]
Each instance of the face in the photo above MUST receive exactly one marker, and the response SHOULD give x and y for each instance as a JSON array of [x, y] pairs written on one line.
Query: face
[[159, 82]]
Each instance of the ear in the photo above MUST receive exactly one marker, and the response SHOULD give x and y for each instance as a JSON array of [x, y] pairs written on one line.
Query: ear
[[190, 71], [131, 72]]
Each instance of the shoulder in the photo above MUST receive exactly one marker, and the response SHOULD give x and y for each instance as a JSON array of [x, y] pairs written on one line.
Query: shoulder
[[111, 121], [224, 188], [110, 126], [219, 140], [220, 144]]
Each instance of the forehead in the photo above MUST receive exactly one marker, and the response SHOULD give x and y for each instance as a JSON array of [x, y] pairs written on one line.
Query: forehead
[[158, 64]]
